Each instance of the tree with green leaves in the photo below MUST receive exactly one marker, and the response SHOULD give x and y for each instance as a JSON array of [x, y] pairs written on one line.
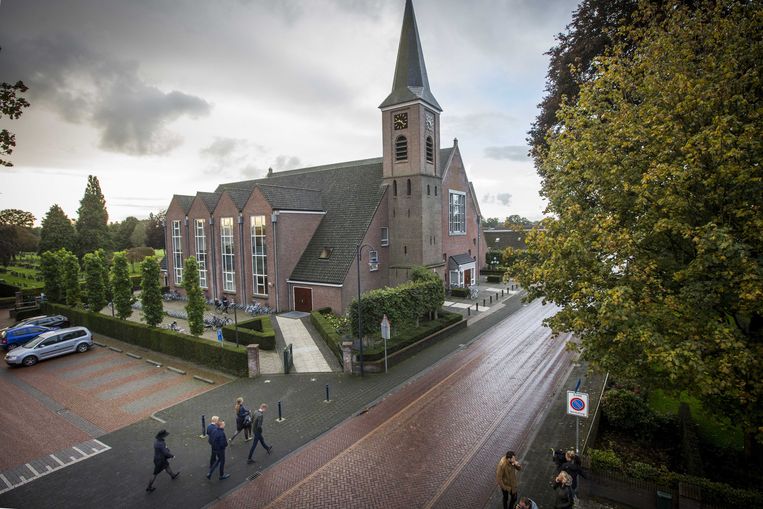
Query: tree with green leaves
[[17, 217], [57, 231], [95, 289], [121, 286], [92, 219], [151, 294], [196, 302], [654, 249], [51, 266], [12, 104], [121, 233], [71, 271], [155, 230]]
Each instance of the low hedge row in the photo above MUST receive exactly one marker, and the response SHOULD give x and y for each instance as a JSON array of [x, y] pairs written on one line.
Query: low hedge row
[[607, 460], [411, 335], [494, 279], [226, 358], [257, 331], [460, 292], [327, 332], [28, 313]]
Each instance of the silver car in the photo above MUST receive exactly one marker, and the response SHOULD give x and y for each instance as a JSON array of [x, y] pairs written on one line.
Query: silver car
[[51, 344]]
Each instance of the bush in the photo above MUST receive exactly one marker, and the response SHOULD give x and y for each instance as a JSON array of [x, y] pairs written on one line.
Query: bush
[[192, 349], [328, 332], [410, 336], [257, 331], [462, 293], [494, 279], [626, 411]]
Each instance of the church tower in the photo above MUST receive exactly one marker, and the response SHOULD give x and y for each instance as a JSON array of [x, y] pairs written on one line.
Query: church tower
[[411, 144]]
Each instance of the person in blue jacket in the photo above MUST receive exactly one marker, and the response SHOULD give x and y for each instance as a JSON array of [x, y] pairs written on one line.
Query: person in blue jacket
[[219, 443], [211, 430], [162, 456]]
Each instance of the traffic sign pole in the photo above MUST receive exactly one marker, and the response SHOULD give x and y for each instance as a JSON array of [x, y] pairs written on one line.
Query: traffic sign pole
[[577, 405]]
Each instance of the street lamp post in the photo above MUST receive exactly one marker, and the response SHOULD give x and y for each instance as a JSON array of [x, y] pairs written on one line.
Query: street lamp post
[[235, 321], [358, 249]]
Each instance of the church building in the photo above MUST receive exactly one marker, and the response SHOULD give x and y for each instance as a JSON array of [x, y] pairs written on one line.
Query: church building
[[292, 239]]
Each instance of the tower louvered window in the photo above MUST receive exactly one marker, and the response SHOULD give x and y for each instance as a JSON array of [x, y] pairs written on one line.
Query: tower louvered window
[[401, 148], [430, 150]]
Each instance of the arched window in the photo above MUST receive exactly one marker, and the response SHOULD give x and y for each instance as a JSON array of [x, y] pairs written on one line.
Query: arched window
[[435, 190], [394, 188], [401, 148], [429, 190], [408, 187], [430, 150]]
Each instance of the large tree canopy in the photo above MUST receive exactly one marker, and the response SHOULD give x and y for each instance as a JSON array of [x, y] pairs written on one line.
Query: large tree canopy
[[654, 249], [93, 219], [57, 231], [12, 104]]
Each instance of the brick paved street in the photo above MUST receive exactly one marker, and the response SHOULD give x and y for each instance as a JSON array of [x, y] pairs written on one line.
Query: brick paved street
[[435, 443]]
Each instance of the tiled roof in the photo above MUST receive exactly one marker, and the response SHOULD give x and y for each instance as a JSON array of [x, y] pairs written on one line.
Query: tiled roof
[[501, 239], [349, 194], [209, 199], [184, 201], [460, 259], [239, 196], [291, 198]]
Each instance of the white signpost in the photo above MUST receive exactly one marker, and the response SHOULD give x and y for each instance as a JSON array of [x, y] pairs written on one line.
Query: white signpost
[[577, 405], [385, 327]]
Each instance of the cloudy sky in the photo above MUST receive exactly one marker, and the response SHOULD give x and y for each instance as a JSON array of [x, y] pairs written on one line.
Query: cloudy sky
[[163, 97]]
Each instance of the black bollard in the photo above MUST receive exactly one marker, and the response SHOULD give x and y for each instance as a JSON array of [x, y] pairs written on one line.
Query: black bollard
[[203, 426], [327, 393], [279, 412], [477, 306], [483, 303], [501, 292], [491, 299], [469, 311]]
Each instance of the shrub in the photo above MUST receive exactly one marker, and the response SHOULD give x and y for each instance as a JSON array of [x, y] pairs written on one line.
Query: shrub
[[328, 331], [460, 292], [627, 411], [494, 279], [411, 335], [258, 330]]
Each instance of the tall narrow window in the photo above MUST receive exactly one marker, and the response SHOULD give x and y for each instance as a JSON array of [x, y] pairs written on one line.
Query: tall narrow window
[[429, 190], [259, 256], [201, 252], [401, 148], [385, 236], [177, 252], [408, 187], [228, 258], [457, 213], [373, 261], [430, 150], [435, 190], [394, 188]]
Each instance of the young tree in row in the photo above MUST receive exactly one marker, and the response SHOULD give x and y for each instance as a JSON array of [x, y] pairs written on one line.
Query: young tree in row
[[95, 276], [51, 266], [92, 220], [196, 302], [151, 294], [70, 278], [57, 231], [121, 286], [655, 187]]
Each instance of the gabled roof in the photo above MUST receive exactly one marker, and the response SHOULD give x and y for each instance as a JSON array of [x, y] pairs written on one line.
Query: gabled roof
[[459, 260], [291, 198], [411, 82], [210, 200], [184, 201], [349, 194], [239, 196], [501, 239]]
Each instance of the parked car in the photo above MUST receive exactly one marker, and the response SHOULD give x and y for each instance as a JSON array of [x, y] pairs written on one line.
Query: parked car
[[52, 321], [17, 336], [51, 344]]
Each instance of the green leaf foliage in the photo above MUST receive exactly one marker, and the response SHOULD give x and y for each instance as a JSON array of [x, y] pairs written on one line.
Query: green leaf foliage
[[95, 275], [57, 231], [151, 294], [70, 278], [196, 302], [92, 219], [51, 267], [121, 286], [654, 249]]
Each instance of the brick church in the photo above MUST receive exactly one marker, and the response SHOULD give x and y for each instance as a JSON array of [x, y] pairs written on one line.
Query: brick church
[[291, 240]]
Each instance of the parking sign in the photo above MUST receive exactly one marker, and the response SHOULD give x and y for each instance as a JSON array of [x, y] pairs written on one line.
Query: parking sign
[[577, 403]]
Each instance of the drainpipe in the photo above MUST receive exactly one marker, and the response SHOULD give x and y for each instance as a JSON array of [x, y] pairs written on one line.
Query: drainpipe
[[187, 238], [274, 222], [212, 255], [242, 298]]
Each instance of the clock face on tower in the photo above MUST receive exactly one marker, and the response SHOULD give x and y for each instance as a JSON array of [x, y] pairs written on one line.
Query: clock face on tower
[[429, 121], [400, 121]]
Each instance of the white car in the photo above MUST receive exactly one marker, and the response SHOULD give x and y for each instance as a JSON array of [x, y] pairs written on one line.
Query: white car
[[51, 344]]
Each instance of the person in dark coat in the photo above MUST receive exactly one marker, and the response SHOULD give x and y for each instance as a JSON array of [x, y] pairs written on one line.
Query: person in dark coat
[[162, 456], [219, 443], [211, 430], [243, 420], [259, 417], [564, 496], [573, 467]]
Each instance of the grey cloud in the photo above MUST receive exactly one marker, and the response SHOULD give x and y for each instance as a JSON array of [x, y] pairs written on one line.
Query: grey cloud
[[487, 198], [85, 86], [252, 171], [482, 123], [283, 162], [229, 155], [510, 152], [503, 198]]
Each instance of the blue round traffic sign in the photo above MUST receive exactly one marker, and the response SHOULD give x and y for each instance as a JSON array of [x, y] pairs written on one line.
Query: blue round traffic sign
[[577, 404]]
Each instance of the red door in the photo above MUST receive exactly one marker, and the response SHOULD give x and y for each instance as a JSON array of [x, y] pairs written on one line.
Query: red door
[[303, 299], [468, 278]]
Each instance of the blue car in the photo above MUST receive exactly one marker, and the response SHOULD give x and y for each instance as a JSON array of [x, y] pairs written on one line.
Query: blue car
[[17, 336]]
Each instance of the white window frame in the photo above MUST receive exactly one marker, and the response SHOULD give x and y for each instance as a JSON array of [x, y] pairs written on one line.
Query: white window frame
[[373, 260], [227, 254], [457, 275], [177, 252], [201, 251], [385, 236], [259, 255], [456, 212]]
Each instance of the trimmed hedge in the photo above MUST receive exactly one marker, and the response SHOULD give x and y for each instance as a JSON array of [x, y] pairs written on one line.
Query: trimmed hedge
[[258, 330], [460, 292], [28, 313], [7, 290], [494, 279], [226, 358], [327, 332], [411, 335]]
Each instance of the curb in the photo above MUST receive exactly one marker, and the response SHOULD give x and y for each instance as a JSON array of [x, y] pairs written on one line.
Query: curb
[[134, 356], [205, 380], [176, 370], [157, 364]]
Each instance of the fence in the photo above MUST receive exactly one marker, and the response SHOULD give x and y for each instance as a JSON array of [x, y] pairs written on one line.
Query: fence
[[288, 359]]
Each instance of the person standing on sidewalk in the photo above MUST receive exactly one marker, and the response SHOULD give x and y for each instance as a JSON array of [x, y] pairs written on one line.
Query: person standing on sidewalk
[[211, 431], [162, 456], [573, 466], [506, 476], [259, 417], [565, 498], [219, 443], [243, 420]]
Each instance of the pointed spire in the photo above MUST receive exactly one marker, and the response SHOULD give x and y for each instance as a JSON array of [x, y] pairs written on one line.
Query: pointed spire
[[411, 81]]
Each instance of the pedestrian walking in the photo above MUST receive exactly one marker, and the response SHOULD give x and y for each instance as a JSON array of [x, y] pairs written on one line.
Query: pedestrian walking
[[565, 498], [526, 503], [162, 456], [506, 476], [219, 443], [573, 466], [259, 417], [243, 420], [211, 431], [225, 304]]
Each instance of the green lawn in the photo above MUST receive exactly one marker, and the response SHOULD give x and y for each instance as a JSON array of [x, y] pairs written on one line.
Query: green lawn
[[721, 433]]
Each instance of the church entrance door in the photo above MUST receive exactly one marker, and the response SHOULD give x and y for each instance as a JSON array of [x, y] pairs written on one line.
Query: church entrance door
[[468, 278], [303, 299]]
